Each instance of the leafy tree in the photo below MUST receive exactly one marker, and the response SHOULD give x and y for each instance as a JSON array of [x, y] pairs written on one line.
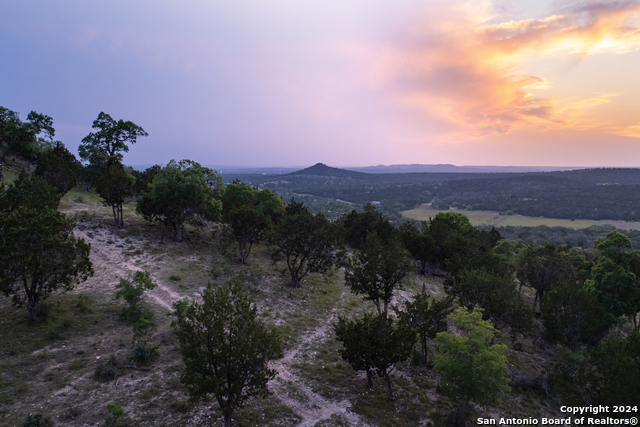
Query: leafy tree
[[374, 344], [37, 420], [225, 348], [614, 279], [496, 293], [357, 224], [420, 243], [109, 140], [378, 269], [132, 291], [472, 369], [114, 185], [180, 192], [145, 178], [59, 167], [542, 267], [250, 214], [450, 231], [22, 137], [572, 315], [427, 316], [309, 243], [28, 191], [38, 251], [612, 374]]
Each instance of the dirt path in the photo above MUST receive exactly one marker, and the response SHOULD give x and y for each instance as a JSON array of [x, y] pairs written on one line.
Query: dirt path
[[311, 406], [109, 265]]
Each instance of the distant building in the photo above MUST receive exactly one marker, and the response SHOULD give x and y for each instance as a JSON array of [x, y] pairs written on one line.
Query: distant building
[[375, 202]]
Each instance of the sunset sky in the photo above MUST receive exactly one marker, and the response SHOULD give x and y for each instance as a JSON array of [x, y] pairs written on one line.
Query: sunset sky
[[347, 83]]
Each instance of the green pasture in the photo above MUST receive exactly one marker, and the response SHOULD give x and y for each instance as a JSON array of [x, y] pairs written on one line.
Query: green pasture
[[493, 218]]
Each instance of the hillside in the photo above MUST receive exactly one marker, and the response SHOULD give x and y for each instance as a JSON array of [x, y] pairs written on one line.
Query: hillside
[[55, 366]]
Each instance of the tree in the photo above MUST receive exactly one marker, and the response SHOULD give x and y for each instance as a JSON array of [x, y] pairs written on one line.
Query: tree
[[573, 316], [420, 243], [144, 179], [357, 224], [378, 269], [494, 291], [614, 279], [180, 192], [19, 136], [309, 243], [374, 344], [613, 371], [109, 141], [472, 369], [59, 167], [427, 316], [114, 185], [225, 348], [250, 213], [38, 251], [542, 267], [132, 291]]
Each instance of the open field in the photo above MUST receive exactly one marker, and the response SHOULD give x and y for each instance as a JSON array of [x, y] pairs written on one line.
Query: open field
[[493, 218]]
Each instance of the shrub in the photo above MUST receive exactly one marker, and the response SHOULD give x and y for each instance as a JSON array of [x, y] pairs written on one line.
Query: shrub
[[116, 412], [37, 421]]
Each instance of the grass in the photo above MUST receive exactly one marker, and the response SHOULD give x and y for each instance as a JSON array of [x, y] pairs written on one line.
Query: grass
[[50, 365], [497, 220]]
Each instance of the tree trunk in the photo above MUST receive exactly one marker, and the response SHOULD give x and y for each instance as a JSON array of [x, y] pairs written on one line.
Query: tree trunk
[[369, 380], [34, 306], [227, 419], [390, 390], [1, 176], [115, 214], [121, 218], [425, 357], [176, 226]]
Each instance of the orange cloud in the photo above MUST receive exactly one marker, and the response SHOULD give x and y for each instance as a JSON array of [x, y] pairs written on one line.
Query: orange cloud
[[470, 76]]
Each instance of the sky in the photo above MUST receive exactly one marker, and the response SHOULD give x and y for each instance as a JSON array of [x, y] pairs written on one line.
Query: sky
[[346, 83]]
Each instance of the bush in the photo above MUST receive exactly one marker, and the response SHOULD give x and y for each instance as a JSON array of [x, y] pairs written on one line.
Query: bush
[[116, 412], [108, 370], [37, 421]]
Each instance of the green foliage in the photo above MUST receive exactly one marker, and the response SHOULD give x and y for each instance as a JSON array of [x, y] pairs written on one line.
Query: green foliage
[[143, 330], [496, 293], [543, 267], [38, 252], [132, 291], [250, 213], [309, 243], [615, 277], [59, 167], [115, 411], [225, 348], [357, 224], [109, 140], [374, 344], [20, 137], [182, 191], [613, 373], [28, 191], [420, 243], [427, 316], [472, 369], [38, 420], [378, 269], [107, 370], [572, 316], [145, 178], [114, 184]]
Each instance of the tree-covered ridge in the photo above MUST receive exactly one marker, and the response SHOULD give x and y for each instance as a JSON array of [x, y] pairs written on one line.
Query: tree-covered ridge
[[579, 194]]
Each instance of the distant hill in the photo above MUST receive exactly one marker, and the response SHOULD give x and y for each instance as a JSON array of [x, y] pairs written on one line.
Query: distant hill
[[448, 168], [320, 169]]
